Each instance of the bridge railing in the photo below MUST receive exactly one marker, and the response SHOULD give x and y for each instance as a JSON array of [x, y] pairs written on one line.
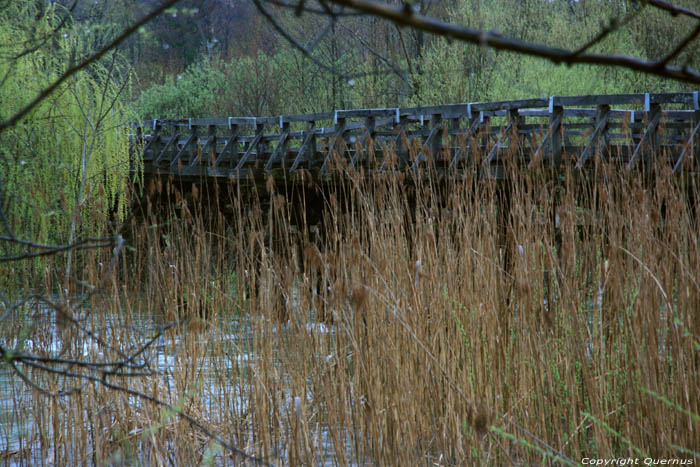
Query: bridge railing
[[630, 129]]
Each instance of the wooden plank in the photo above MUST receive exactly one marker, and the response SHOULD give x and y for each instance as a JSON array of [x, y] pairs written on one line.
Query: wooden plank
[[458, 152], [575, 112], [625, 99], [649, 135], [556, 119], [366, 113], [484, 132], [166, 148], [599, 132], [509, 105], [190, 139], [252, 147], [511, 130], [308, 145], [153, 142], [370, 123], [226, 121], [337, 136], [545, 141], [430, 141], [494, 150], [227, 153], [678, 115], [306, 117], [452, 139], [401, 153], [453, 110], [203, 171], [494, 113], [202, 153], [280, 151]]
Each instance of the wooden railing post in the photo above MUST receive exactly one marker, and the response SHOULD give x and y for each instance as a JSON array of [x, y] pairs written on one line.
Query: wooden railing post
[[153, 144], [436, 144], [654, 115], [556, 120], [515, 122], [453, 148], [211, 143], [599, 137]]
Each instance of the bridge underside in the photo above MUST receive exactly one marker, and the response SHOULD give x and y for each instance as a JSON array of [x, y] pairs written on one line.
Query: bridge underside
[[483, 139]]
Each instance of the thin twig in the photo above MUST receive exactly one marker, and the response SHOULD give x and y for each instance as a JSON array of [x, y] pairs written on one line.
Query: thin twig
[[407, 17], [680, 47], [190, 419], [298, 45], [673, 9]]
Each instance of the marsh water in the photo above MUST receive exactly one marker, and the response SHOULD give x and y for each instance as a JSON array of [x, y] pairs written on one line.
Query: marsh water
[[219, 378]]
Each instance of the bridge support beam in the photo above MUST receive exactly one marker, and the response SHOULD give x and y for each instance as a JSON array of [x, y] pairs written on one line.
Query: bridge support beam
[[600, 133]]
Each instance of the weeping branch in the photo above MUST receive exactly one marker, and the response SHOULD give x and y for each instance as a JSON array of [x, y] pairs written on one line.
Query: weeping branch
[[116, 42]]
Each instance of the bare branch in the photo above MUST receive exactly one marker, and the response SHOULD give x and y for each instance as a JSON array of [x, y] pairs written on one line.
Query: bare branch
[[408, 17], [673, 9], [315, 11], [314, 43], [46, 250], [288, 37], [613, 26], [680, 47], [400, 73]]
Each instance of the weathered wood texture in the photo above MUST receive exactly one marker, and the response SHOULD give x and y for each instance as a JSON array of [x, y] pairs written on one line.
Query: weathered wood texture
[[633, 130]]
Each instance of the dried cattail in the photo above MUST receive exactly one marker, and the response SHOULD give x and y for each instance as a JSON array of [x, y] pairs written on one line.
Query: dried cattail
[[481, 421], [313, 255], [270, 184], [359, 298]]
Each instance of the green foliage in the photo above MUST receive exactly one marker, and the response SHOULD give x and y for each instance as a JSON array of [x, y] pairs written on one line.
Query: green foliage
[[193, 93], [70, 155], [256, 85], [459, 72]]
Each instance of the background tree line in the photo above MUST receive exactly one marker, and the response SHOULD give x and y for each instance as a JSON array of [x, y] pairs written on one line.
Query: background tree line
[[215, 57]]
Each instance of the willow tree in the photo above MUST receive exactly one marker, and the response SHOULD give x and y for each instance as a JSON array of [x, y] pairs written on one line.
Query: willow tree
[[70, 155]]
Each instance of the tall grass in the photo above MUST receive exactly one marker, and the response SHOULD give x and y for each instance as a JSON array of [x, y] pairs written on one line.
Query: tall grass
[[461, 327]]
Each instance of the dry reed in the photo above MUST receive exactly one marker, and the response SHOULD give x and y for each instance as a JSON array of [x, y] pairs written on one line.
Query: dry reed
[[461, 327]]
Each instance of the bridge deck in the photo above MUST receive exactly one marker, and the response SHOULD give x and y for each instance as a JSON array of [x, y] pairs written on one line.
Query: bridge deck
[[631, 129]]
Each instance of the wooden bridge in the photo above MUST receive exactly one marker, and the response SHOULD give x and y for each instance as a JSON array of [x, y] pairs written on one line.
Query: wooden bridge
[[632, 130]]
